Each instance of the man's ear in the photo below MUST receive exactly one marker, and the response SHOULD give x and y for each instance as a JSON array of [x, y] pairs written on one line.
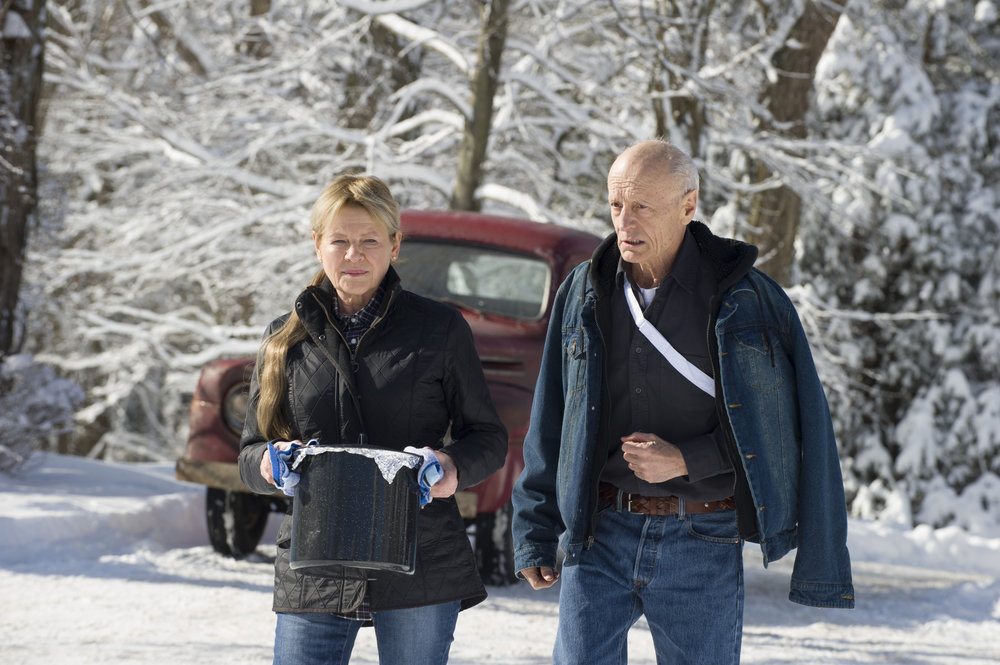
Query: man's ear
[[690, 205]]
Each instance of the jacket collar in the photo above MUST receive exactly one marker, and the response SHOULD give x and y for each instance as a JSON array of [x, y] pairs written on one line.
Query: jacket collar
[[324, 294], [732, 259]]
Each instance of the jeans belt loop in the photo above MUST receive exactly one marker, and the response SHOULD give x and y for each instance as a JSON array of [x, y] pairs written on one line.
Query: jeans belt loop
[[681, 508]]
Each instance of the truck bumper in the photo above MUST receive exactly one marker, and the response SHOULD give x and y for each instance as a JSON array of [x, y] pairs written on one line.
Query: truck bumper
[[221, 475]]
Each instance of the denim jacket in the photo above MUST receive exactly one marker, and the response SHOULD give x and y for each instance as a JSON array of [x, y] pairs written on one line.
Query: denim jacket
[[789, 490]]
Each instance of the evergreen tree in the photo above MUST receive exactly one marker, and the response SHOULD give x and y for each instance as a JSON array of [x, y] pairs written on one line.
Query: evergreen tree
[[906, 280]]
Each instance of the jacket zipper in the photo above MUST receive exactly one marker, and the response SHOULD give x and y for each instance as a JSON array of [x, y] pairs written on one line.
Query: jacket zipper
[[354, 364], [378, 320]]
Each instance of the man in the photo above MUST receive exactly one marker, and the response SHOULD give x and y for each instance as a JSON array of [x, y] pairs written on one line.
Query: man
[[677, 413]]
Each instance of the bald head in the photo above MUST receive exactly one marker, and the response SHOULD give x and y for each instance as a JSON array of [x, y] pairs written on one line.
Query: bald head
[[662, 161]]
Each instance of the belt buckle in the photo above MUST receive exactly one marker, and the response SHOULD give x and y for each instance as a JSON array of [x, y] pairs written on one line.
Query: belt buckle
[[629, 506]]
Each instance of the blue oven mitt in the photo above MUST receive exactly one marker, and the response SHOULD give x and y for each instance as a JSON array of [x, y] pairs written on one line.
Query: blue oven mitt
[[281, 466], [430, 472]]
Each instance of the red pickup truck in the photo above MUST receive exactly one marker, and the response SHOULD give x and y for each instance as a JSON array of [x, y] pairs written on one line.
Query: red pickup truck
[[502, 274]]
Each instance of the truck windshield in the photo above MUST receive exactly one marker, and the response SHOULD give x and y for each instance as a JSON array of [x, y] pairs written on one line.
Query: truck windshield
[[475, 278]]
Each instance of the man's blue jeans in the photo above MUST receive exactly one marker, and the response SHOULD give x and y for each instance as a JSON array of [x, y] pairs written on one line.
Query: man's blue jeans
[[684, 573], [404, 637]]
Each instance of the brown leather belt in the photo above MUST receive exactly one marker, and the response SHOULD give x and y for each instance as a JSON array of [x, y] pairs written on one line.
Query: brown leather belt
[[660, 505]]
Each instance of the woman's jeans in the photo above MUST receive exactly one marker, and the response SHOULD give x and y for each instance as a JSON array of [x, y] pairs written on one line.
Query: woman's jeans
[[684, 573], [417, 635]]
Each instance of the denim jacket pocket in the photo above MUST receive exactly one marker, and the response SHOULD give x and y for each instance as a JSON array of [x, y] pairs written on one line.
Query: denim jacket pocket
[[574, 359], [759, 359], [573, 343]]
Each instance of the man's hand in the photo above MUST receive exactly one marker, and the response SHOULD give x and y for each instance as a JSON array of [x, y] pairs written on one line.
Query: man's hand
[[651, 458], [540, 577], [448, 484]]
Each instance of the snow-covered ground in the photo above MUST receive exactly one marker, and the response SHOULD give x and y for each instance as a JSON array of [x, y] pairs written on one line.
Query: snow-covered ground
[[109, 563]]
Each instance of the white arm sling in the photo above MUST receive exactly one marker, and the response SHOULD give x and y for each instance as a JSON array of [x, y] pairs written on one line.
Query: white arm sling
[[672, 355]]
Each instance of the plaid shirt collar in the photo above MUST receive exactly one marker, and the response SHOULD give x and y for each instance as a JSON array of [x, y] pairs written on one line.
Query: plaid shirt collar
[[353, 326]]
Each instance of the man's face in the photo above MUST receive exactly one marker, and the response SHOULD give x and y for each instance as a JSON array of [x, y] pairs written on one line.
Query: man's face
[[650, 213]]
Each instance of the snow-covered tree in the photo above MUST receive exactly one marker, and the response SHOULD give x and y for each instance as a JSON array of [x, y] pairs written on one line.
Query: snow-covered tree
[[906, 280], [183, 161], [36, 407]]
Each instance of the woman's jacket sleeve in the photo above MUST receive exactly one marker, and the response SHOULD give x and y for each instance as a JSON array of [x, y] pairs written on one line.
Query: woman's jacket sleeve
[[479, 438]]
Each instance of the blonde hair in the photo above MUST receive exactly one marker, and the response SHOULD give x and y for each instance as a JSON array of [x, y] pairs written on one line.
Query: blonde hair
[[348, 190]]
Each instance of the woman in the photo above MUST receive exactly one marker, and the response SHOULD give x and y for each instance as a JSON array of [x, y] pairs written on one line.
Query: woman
[[358, 355]]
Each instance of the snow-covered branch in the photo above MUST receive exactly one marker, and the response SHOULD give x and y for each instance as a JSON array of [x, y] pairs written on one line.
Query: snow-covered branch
[[427, 38]]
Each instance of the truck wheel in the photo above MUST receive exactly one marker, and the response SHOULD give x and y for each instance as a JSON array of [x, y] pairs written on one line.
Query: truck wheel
[[495, 547], [236, 521]]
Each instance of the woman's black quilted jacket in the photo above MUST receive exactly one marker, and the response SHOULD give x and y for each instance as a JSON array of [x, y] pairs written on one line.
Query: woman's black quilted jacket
[[419, 382]]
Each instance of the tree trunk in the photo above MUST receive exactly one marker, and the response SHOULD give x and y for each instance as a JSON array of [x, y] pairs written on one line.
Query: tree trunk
[[472, 151], [378, 75], [192, 55], [255, 42], [687, 112], [22, 45], [774, 213]]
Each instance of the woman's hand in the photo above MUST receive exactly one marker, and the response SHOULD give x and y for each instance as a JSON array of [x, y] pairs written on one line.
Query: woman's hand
[[265, 462], [448, 484]]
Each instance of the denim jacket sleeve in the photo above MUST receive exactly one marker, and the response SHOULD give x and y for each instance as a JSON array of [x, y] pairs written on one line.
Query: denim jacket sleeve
[[821, 576], [537, 523], [784, 435]]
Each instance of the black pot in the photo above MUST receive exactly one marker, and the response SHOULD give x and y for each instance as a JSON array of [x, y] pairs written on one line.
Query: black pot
[[347, 514]]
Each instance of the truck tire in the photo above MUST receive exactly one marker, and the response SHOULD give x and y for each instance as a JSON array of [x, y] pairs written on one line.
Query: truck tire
[[236, 521], [495, 547]]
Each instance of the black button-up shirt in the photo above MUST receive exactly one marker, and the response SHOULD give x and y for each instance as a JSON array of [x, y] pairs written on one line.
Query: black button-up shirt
[[649, 395]]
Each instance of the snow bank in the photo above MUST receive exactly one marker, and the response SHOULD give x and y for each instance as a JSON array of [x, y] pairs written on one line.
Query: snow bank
[[110, 563]]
